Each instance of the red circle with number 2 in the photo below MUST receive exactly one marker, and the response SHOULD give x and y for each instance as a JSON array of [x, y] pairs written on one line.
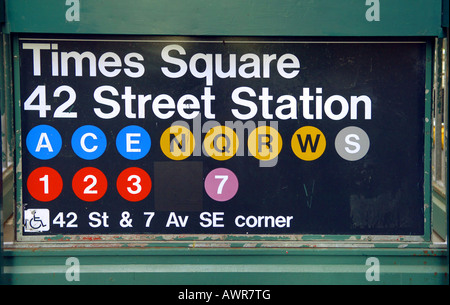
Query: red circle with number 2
[[89, 184], [134, 184], [44, 184]]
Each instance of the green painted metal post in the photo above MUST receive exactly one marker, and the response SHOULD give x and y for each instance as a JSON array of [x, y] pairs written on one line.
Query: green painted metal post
[[1, 224], [2, 20], [445, 23], [1, 217], [445, 26]]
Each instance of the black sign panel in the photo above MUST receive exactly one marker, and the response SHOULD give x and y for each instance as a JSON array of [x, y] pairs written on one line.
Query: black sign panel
[[194, 136]]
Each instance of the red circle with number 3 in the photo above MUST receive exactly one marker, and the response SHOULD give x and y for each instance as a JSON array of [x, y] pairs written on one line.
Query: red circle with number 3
[[44, 184], [134, 184], [89, 184]]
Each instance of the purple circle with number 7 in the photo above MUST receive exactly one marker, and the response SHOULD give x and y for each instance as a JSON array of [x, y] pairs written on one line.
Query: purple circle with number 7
[[221, 184]]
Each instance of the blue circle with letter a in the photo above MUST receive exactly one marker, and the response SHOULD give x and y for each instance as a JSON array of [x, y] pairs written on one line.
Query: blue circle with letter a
[[89, 142], [133, 142], [44, 142]]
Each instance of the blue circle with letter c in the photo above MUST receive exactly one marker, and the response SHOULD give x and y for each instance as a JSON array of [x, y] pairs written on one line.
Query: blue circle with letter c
[[89, 142]]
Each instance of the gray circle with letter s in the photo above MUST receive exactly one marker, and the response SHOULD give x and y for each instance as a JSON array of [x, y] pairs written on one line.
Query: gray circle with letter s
[[352, 143]]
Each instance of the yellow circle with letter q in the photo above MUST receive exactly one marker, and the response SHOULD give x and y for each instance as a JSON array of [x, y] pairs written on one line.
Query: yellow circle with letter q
[[221, 143]]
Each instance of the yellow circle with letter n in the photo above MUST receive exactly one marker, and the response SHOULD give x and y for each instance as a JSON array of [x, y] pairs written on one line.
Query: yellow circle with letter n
[[177, 142]]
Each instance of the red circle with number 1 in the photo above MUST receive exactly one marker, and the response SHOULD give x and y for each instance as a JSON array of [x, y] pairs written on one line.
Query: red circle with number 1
[[134, 184], [44, 184], [89, 184]]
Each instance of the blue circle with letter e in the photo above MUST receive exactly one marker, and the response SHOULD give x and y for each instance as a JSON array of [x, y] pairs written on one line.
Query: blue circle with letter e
[[89, 142], [133, 142], [44, 142]]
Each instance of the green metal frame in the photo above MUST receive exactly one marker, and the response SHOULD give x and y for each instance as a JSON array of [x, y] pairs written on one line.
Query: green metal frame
[[227, 18], [182, 266], [228, 259]]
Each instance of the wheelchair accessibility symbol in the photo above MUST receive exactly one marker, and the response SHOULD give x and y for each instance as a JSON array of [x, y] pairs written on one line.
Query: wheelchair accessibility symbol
[[37, 220]]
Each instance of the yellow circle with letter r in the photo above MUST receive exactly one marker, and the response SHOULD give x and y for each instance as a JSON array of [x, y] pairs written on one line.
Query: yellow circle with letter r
[[265, 143]]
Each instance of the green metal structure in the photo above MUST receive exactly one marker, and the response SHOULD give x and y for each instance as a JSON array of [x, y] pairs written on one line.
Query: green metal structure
[[221, 259]]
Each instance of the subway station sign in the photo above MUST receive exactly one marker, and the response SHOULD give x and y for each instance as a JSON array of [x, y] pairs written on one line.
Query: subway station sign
[[188, 135]]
